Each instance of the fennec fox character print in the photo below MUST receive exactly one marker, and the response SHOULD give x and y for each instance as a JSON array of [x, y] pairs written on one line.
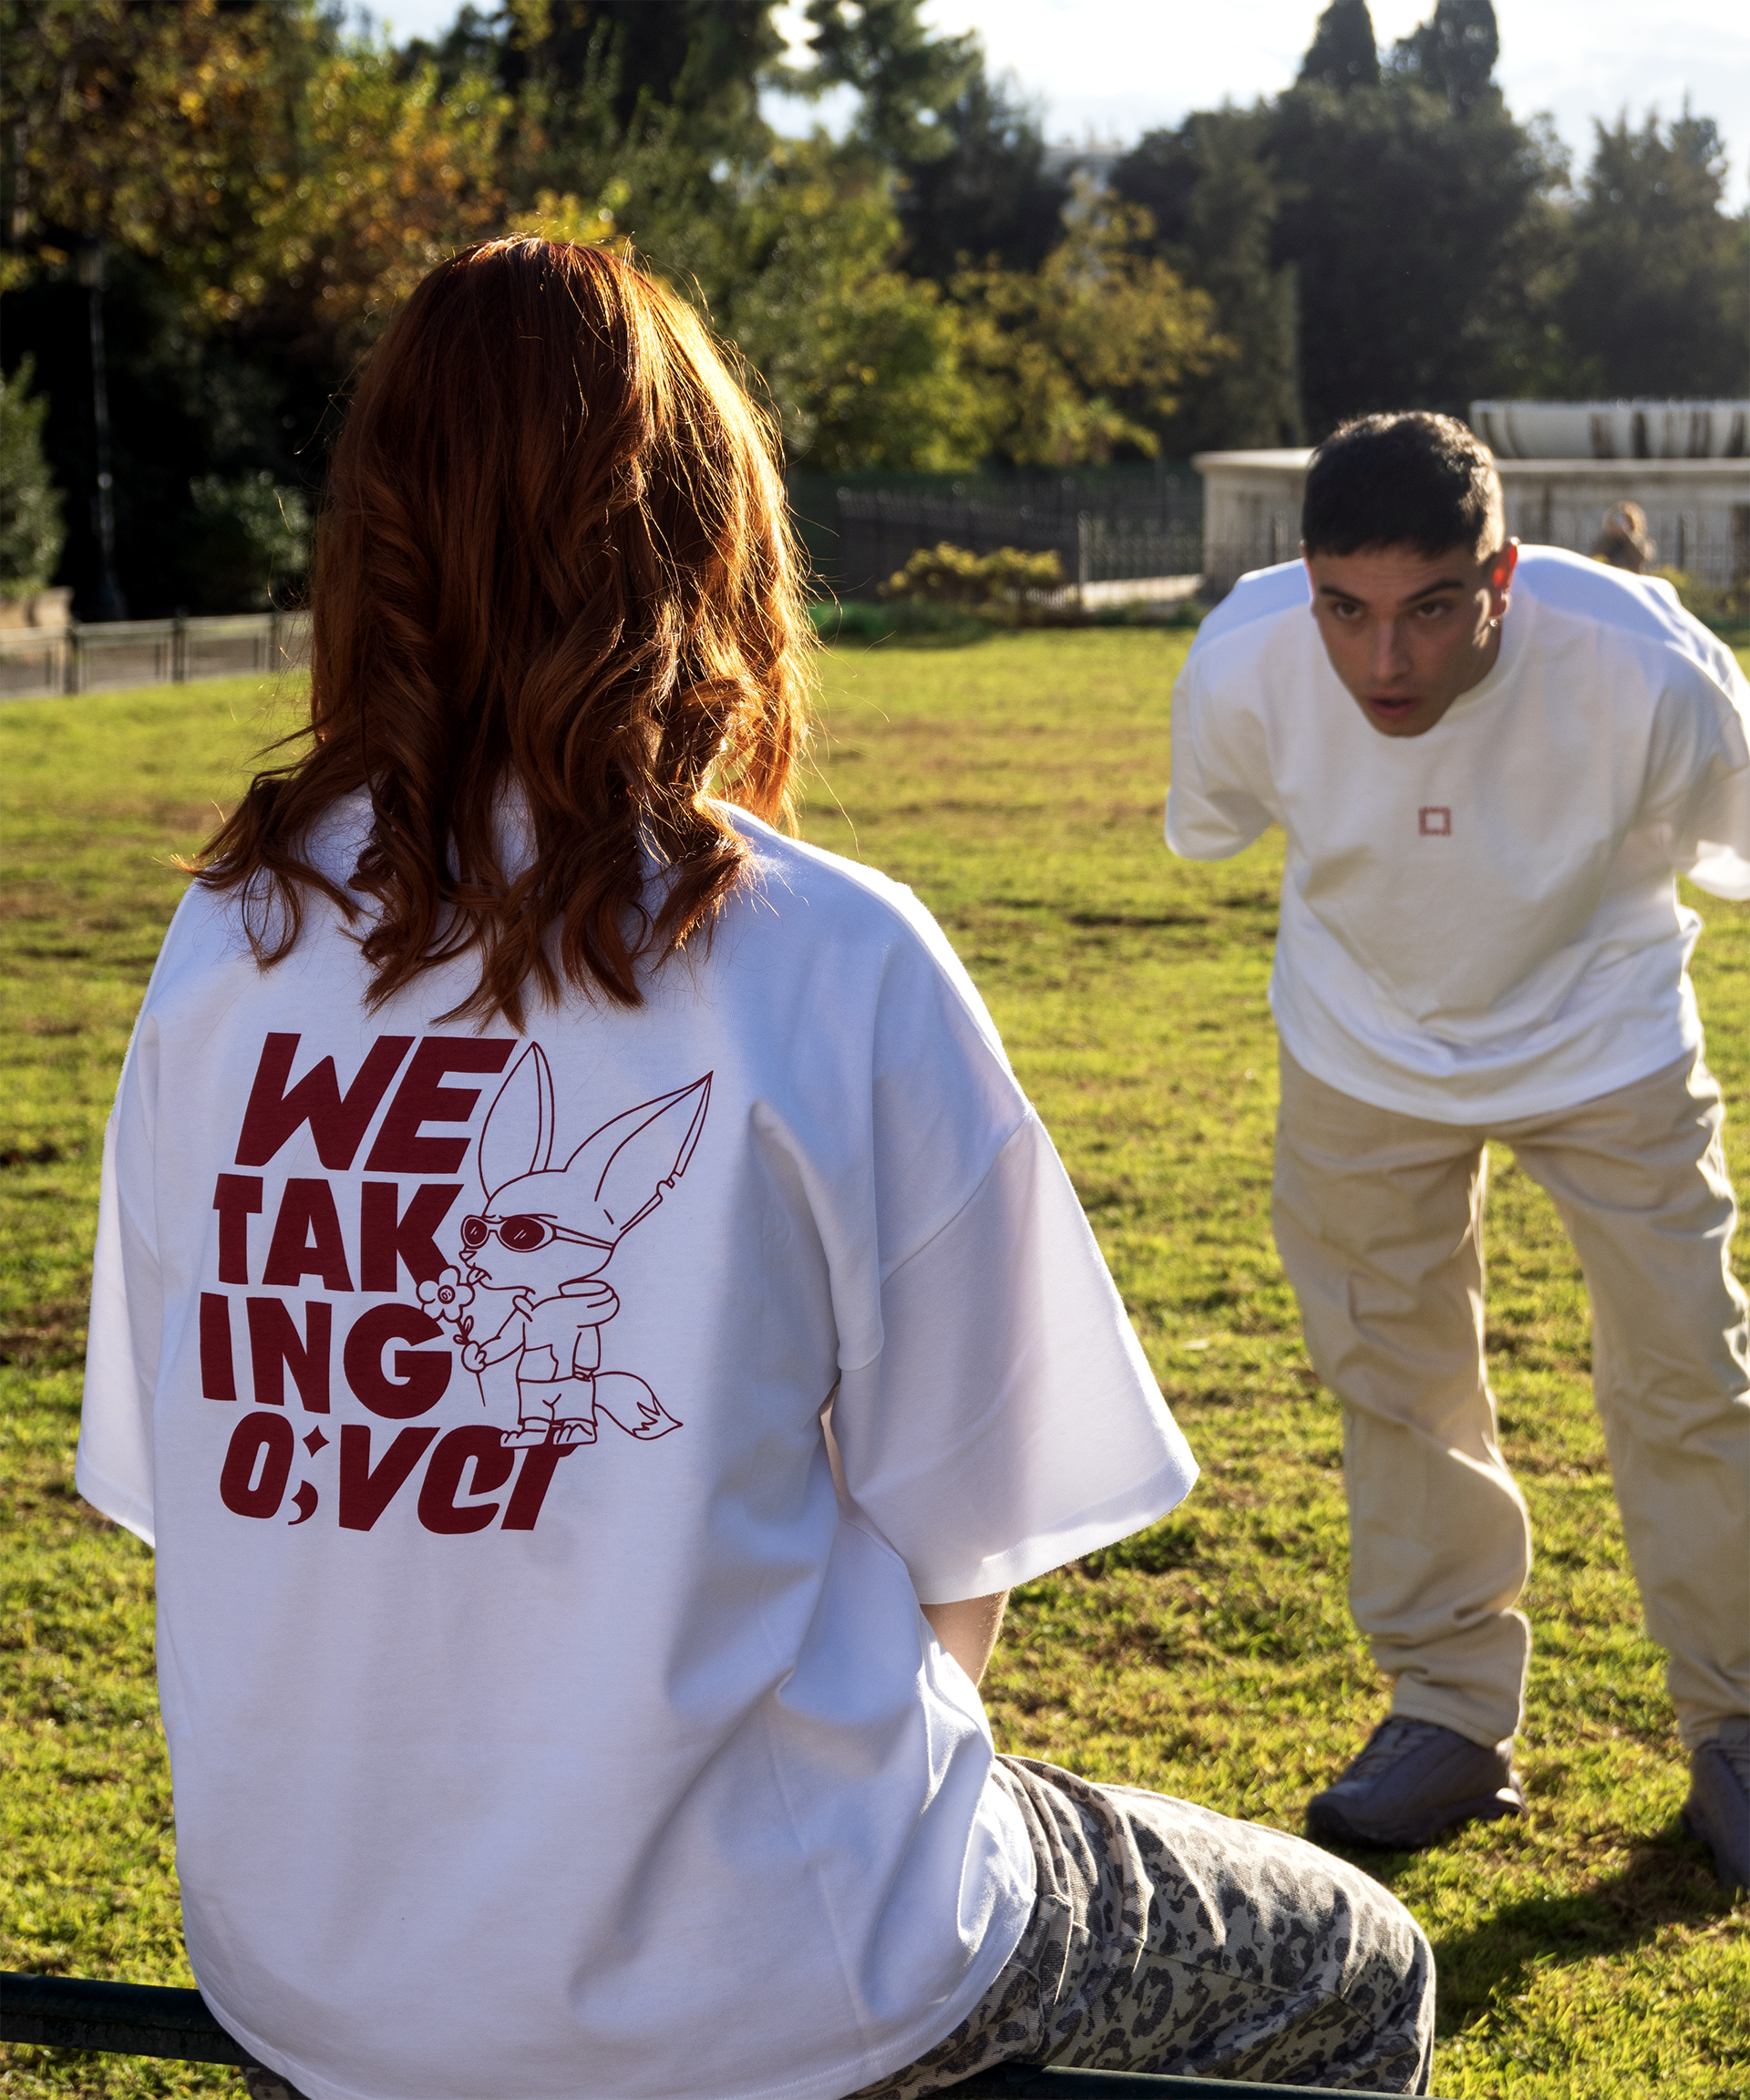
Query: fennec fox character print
[[542, 1238]]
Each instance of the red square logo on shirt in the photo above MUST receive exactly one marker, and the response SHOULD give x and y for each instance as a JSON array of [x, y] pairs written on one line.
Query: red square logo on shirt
[[1434, 823]]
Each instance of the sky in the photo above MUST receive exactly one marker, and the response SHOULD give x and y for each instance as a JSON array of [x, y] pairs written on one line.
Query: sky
[[1116, 69]]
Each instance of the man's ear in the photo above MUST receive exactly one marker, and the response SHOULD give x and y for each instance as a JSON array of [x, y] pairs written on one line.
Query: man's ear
[[1501, 567]]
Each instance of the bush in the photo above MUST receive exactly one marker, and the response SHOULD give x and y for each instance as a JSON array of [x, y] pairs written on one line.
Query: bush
[[1723, 607], [906, 623], [1011, 586], [251, 536], [31, 532]]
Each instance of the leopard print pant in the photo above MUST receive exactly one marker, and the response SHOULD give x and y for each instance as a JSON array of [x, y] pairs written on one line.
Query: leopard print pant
[[1166, 1937]]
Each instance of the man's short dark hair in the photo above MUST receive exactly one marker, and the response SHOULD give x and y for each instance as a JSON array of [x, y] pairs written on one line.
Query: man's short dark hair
[[1407, 480]]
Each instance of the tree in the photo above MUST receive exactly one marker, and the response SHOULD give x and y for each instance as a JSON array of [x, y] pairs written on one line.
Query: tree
[[1344, 53], [987, 195], [1402, 226], [1453, 54], [1657, 303], [139, 126], [380, 174], [862, 363], [1085, 356], [1209, 190], [265, 187], [614, 61], [909, 77], [31, 532]]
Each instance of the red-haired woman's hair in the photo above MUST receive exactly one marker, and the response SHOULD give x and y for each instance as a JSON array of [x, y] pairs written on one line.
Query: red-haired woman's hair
[[554, 577]]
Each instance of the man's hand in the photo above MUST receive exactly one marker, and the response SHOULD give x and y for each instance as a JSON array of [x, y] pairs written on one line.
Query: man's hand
[[968, 1630]]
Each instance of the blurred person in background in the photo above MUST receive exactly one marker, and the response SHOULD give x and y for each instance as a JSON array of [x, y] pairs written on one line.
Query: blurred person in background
[[1490, 765], [1624, 541]]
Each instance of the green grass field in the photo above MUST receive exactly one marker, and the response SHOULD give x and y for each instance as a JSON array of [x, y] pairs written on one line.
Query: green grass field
[[1584, 1950]]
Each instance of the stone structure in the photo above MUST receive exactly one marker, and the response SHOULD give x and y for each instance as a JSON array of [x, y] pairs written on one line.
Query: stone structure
[[1697, 504], [44, 609]]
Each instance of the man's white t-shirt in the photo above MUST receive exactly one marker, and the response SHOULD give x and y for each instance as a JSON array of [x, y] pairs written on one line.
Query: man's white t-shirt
[[614, 1768], [1482, 922]]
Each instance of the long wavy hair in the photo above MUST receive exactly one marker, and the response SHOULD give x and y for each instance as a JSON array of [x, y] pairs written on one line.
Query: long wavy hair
[[554, 577]]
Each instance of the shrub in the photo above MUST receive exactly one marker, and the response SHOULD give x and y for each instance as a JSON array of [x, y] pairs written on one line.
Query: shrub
[[250, 536], [1010, 586], [905, 622], [31, 532], [1722, 606]]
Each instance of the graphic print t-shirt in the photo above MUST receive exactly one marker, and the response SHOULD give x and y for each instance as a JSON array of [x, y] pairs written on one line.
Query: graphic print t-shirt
[[1482, 922], [544, 1719]]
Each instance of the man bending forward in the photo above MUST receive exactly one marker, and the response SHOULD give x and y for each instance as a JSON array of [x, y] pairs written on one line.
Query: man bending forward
[[1490, 766]]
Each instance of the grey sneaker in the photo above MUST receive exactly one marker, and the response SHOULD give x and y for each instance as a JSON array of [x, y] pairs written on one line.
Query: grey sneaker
[[1412, 1781], [1718, 1808]]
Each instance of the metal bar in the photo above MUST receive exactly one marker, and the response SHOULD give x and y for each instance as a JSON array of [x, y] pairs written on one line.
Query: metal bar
[[151, 2020], [1047, 2081], [127, 2019]]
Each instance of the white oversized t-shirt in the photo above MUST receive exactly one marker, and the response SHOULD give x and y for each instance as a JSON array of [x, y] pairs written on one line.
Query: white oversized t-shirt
[[1482, 922], [619, 1768]]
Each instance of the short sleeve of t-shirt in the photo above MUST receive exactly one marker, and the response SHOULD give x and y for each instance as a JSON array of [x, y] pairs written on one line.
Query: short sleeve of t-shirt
[[1698, 791], [994, 1415], [1219, 801], [1010, 1422]]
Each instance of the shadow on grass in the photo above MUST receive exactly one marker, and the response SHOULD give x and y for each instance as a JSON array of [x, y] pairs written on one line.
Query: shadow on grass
[[1669, 1881]]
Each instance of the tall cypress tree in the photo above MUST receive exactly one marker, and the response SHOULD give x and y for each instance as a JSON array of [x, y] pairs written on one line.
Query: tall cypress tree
[[1208, 188], [1344, 53], [1453, 54], [988, 194]]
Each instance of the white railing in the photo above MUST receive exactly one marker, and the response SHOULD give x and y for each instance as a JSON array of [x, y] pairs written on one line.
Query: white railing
[[92, 657]]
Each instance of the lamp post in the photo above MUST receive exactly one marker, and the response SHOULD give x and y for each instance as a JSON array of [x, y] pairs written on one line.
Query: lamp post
[[111, 606]]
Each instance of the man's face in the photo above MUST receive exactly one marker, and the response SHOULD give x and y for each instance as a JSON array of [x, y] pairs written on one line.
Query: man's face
[[1407, 632]]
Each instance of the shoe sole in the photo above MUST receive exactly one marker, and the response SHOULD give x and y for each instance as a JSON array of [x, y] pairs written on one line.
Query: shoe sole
[[1329, 1826]]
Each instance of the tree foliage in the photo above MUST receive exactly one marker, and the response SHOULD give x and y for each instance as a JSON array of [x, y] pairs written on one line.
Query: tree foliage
[[985, 193], [1085, 356], [1452, 54], [1208, 189], [862, 363], [907, 78], [31, 531], [1344, 53], [267, 183], [1397, 219], [1658, 300]]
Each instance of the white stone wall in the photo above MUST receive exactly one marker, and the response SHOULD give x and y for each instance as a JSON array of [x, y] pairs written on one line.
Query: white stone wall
[[1698, 510]]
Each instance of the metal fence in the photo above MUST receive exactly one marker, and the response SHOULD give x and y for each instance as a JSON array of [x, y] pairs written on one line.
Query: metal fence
[[93, 656], [1712, 546], [1117, 540]]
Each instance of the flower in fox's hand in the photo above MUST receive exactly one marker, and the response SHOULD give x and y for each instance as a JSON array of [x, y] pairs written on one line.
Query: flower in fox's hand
[[446, 1296]]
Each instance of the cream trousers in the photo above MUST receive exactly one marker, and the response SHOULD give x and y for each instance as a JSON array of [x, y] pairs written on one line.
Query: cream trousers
[[1378, 1219]]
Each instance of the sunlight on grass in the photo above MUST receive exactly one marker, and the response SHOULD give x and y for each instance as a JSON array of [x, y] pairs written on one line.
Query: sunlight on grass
[[1584, 1950]]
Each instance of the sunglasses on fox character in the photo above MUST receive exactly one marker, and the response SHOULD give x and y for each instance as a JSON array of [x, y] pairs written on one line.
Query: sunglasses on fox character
[[523, 1234]]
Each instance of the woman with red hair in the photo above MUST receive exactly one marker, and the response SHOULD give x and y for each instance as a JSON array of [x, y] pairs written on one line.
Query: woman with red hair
[[594, 1330]]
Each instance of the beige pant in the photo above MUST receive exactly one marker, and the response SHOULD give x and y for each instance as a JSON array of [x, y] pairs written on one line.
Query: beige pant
[[1378, 1218]]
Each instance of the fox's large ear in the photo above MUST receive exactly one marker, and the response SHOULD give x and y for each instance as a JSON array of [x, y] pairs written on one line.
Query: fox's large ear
[[518, 1138], [627, 1164]]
